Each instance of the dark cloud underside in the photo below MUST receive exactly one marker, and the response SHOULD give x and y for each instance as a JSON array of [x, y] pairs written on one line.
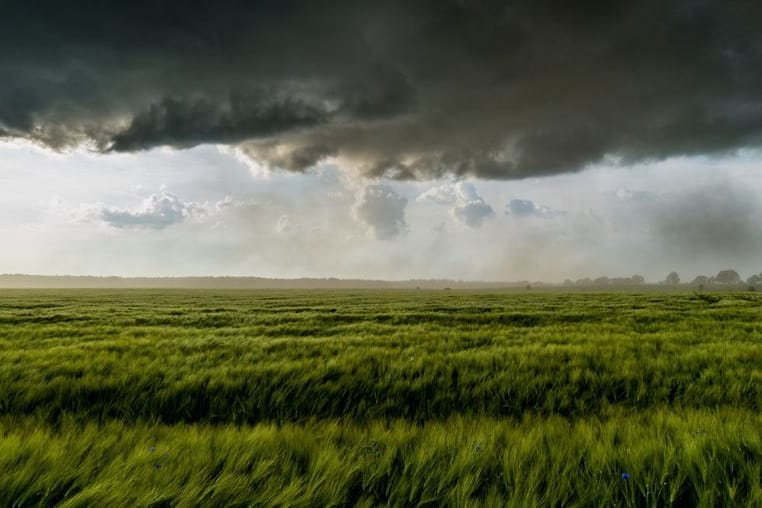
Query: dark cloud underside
[[403, 89]]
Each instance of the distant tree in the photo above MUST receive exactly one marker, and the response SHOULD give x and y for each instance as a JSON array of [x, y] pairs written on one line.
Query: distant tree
[[638, 279], [701, 280], [673, 279], [601, 281], [568, 282], [755, 280], [727, 277]]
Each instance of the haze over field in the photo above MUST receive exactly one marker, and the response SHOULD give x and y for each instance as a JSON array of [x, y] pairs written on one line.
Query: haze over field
[[461, 140]]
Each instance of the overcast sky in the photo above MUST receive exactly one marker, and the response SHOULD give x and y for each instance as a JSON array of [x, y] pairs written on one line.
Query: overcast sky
[[467, 140]]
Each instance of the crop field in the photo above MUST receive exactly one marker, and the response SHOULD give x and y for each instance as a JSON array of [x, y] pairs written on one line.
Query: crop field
[[379, 398]]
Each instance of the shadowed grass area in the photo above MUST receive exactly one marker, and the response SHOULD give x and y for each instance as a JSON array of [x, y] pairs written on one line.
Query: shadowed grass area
[[400, 398]]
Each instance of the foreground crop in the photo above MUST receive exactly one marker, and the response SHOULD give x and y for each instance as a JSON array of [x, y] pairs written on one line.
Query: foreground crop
[[169, 398]]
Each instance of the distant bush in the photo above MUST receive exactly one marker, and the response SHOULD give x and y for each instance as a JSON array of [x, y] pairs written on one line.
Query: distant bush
[[727, 277]]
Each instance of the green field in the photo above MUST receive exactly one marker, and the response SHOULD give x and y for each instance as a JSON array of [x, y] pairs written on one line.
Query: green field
[[379, 398]]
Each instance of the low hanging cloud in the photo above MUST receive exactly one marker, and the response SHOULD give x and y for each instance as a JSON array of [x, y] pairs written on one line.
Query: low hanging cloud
[[380, 208], [421, 89], [522, 208], [286, 156], [158, 211]]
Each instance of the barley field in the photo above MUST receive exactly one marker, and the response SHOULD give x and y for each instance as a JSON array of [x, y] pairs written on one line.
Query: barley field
[[379, 398]]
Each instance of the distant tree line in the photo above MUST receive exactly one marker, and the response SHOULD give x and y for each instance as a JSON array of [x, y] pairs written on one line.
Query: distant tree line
[[635, 280], [728, 277]]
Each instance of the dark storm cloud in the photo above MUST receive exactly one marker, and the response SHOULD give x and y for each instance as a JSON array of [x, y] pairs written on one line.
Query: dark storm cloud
[[399, 89], [188, 123]]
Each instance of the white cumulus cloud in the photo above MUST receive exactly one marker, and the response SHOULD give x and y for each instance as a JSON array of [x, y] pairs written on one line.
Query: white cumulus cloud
[[468, 207], [522, 208], [157, 211]]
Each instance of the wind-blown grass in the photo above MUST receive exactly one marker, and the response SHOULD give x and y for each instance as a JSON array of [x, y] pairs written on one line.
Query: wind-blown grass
[[401, 398], [709, 458]]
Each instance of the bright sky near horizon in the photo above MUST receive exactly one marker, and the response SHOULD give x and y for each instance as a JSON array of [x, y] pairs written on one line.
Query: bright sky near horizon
[[210, 211]]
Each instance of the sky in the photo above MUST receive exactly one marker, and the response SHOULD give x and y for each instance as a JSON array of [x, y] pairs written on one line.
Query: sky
[[475, 140]]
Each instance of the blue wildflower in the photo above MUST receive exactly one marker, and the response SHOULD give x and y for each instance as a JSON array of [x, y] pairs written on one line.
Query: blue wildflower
[[625, 476]]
